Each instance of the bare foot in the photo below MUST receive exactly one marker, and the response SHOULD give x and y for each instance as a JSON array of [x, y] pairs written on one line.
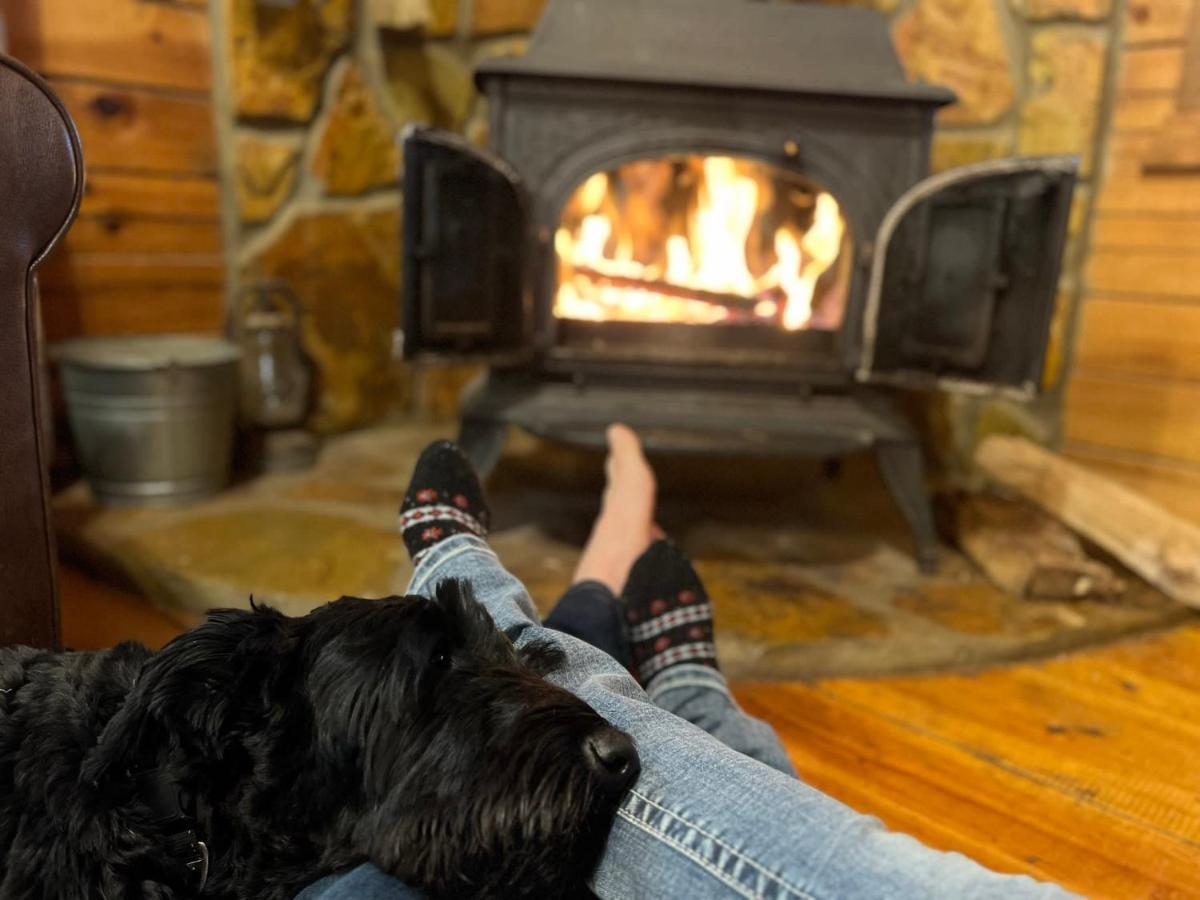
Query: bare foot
[[625, 526]]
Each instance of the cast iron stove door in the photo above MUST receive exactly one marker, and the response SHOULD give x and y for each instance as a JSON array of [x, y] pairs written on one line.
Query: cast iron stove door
[[466, 240], [965, 274]]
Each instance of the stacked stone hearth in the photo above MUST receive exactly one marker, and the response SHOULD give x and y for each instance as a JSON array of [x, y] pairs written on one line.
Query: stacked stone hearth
[[313, 92], [313, 95]]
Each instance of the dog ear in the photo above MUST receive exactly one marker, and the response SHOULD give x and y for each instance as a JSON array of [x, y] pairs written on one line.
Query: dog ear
[[198, 692], [469, 619]]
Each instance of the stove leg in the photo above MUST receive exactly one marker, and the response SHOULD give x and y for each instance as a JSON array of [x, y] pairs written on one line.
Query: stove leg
[[482, 440], [904, 472]]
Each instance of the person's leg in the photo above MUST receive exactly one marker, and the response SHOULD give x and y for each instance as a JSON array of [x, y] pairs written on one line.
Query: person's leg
[[670, 621], [589, 610], [703, 820], [364, 882], [625, 527], [701, 695], [623, 553]]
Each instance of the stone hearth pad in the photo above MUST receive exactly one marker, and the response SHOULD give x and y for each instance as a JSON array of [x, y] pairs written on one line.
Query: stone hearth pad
[[811, 573]]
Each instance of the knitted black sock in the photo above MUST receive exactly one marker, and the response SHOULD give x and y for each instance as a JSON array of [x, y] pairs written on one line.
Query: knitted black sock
[[444, 498], [670, 619]]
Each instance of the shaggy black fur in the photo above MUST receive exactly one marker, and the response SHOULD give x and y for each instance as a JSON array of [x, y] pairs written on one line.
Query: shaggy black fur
[[408, 732]]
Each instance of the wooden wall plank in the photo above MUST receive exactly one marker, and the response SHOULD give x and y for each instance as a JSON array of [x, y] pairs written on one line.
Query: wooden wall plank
[[123, 234], [1150, 69], [129, 41], [1146, 338], [1159, 419], [145, 252], [126, 194], [78, 273], [1155, 20], [1169, 272], [1142, 112], [1174, 486], [1147, 232], [133, 310], [1135, 393], [140, 130], [1126, 154], [1149, 193]]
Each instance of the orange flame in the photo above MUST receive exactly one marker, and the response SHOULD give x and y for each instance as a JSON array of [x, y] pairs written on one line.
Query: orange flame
[[698, 272]]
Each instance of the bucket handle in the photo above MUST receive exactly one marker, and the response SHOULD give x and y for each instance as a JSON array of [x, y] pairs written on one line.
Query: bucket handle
[[267, 298]]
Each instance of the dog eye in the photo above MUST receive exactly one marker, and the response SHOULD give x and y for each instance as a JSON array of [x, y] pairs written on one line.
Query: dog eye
[[441, 658]]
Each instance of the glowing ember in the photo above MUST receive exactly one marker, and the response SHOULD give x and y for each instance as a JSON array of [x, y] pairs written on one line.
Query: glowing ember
[[702, 241]]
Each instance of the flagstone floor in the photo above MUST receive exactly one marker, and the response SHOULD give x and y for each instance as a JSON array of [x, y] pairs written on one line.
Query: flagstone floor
[[811, 575]]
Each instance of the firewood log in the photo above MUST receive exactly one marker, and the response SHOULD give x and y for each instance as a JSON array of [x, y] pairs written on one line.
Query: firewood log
[[1027, 553], [1161, 547]]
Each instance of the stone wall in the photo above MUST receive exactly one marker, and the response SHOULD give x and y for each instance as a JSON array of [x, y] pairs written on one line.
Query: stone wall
[[313, 92], [311, 96]]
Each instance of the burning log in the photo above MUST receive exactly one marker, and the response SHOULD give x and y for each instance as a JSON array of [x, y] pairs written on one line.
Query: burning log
[[735, 303]]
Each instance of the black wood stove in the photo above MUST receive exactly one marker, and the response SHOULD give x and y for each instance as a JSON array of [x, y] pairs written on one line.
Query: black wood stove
[[711, 221]]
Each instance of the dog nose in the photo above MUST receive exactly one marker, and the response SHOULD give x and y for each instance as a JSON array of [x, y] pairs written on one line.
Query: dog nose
[[613, 759]]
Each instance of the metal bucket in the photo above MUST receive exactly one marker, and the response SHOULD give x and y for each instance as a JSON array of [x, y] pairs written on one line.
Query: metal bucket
[[153, 417]]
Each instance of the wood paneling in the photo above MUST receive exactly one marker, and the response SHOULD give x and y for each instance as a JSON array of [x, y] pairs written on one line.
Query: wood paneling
[[1133, 406], [1078, 771], [80, 272], [1146, 232], [1152, 271], [1125, 154], [1149, 193], [123, 194], [141, 130], [1155, 418], [1142, 112], [144, 254], [1189, 82], [1156, 20], [125, 234], [128, 41], [1149, 338], [133, 309], [1150, 69], [1175, 486]]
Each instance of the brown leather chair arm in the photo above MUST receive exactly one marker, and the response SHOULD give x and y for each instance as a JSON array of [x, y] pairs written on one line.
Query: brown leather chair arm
[[41, 182]]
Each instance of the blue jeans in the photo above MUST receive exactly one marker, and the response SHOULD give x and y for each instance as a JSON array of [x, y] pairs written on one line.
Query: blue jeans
[[703, 819]]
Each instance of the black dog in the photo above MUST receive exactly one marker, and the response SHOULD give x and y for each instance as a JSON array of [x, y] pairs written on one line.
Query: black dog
[[272, 751]]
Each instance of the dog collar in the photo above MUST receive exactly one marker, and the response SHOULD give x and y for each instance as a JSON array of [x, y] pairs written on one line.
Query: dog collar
[[185, 853]]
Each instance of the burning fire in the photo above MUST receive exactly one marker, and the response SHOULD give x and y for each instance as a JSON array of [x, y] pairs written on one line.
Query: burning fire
[[699, 241]]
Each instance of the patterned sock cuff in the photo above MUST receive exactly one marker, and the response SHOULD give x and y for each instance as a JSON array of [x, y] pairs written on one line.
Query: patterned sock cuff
[[668, 614], [445, 498]]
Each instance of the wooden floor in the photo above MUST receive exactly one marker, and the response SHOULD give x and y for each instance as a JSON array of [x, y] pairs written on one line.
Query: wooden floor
[[1083, 770], [96, 615]]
